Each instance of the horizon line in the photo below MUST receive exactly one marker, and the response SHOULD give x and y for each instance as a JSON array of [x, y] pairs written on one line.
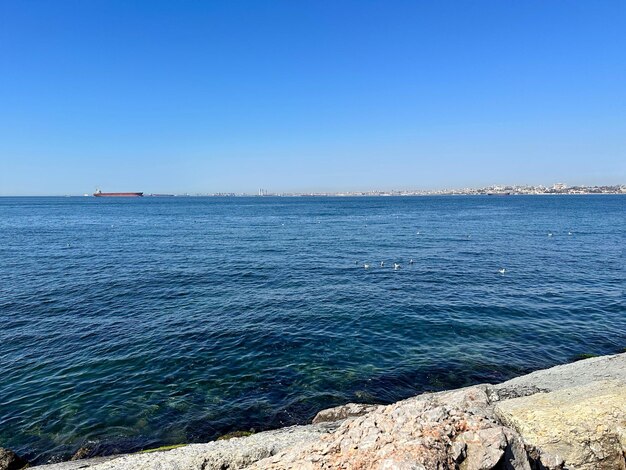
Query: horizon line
[[554, 189]]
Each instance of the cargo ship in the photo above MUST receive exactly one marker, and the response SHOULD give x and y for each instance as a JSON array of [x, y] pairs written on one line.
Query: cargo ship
[[99, 193]]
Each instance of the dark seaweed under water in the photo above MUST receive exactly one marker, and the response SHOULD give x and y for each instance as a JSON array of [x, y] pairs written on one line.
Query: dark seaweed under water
[[132, 323]]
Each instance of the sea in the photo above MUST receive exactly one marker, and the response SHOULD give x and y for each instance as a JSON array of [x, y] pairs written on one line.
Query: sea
[[132, 323]]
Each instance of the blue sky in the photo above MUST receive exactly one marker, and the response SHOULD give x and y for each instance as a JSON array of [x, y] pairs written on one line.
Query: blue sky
[[195, 96]]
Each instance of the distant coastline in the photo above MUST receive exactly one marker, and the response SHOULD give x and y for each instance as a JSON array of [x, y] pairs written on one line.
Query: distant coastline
[[495, 190], [558, 189]]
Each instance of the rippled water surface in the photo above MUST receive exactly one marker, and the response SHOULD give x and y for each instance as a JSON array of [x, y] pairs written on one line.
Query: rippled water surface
[[132, 323]]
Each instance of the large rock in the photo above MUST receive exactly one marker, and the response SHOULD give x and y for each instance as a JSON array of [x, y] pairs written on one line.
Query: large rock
[[582, 427], [218, 455], [431, 431], [559, 377], [9, 460]]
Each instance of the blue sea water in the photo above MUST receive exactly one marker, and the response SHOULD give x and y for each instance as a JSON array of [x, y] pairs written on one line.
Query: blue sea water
[[132, 323]]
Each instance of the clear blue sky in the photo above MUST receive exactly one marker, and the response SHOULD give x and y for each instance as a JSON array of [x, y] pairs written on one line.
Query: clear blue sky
[[194, 96]]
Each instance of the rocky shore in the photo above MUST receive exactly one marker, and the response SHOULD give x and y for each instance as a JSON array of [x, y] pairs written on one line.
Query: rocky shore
[[567, 417]]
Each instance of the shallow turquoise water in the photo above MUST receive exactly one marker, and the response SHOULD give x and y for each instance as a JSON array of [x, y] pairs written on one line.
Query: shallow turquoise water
[[131, 323]]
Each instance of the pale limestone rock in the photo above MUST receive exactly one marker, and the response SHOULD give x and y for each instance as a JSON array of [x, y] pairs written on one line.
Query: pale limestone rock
[[564, 376], [229, 454], [582, 427]]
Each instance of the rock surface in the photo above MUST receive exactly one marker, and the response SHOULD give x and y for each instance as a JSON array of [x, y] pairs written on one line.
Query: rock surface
[[559, 377], [339, 413], [584, 426], [226, 454], [439, 430], [9, 460], [567, 417]]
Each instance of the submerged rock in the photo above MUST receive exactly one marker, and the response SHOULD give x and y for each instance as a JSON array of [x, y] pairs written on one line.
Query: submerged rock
[[234, 434], [82, 453], [9, 460]]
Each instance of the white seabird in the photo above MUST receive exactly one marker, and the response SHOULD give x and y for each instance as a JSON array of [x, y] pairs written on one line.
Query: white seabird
[[502, 271], [396, 266]]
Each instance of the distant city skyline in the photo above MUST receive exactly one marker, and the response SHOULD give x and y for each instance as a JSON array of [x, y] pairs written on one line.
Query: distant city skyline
[[199, 97], [555, 189]]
